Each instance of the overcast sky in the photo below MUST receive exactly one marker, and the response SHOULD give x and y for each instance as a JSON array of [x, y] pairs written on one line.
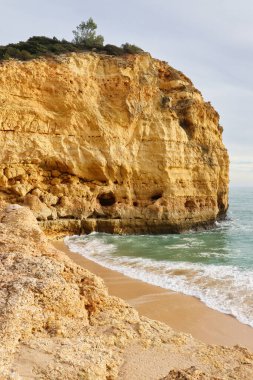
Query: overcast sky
[[211, 41]]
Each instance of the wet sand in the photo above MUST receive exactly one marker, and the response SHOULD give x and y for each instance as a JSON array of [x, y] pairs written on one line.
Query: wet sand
[[181, 312]]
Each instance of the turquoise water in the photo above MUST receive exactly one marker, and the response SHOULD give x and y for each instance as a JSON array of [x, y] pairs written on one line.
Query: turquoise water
[[215, 265]]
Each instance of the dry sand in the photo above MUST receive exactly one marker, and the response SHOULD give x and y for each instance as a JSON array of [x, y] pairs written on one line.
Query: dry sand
[[181, 312]]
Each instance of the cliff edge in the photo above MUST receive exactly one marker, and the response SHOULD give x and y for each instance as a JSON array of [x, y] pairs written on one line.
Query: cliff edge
[[116, 144], [57, 321]]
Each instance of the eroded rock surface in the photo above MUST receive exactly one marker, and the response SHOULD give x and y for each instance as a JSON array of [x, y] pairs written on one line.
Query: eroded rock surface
[[57, 321], [116, 144]]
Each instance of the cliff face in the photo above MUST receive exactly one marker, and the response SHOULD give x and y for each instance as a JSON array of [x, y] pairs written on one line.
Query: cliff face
[[57, 321], [118, 144]]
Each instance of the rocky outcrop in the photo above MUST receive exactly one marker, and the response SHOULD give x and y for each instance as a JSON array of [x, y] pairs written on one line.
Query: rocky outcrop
[[57, 321], [117, 144]]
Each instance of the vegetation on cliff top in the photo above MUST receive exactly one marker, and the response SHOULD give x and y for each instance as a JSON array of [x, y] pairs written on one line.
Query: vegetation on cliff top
[[85, 39]]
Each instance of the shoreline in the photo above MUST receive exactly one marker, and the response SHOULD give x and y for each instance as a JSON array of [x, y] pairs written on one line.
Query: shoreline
[[181, 312]]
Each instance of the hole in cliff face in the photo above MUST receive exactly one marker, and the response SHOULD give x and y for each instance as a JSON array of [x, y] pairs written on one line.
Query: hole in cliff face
[[135, 204], [187, 126], [190, 205], [184, 124], [107, 199], [156, 196]]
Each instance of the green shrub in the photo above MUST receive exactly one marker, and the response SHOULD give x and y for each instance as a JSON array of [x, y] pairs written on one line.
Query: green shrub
[[37, 46], [85, 34], [25, 55], [131, 49], [113, 50]]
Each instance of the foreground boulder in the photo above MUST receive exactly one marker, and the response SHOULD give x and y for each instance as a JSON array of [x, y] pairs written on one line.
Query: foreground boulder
[[57, 321], [116, 144]]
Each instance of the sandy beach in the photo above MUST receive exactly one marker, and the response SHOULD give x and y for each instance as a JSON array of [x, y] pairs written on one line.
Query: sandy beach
[[181, 312]]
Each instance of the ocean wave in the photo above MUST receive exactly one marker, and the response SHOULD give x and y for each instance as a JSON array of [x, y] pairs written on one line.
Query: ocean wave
[[225, 288]]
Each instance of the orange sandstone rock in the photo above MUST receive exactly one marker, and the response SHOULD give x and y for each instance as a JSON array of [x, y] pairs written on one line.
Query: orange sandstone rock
[[57, 321], [122, 144]]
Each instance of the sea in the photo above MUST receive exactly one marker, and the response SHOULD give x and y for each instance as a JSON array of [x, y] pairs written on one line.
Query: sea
[[215, 265]]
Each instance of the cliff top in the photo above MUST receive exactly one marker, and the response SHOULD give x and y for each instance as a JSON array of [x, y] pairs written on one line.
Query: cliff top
[[41, 46]]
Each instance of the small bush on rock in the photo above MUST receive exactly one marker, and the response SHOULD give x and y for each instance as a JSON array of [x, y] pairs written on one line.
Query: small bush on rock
[[131, 49], [113, 50]]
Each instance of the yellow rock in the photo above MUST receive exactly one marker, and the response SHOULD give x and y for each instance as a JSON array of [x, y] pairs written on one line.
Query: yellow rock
[[12, 172], [56, 173], [127, 138], [3, 181], [57, 321]]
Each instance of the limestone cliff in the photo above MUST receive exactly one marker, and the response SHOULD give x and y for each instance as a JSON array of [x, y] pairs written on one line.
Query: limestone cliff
[[118, 144], [57, 322]]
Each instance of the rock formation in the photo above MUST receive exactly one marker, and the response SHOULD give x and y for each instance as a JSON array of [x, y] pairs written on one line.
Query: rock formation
[[57, 321], [118, 144]]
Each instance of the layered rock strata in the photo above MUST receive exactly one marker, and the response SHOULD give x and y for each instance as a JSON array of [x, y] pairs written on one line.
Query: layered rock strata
[[57, 321], [116, 144]]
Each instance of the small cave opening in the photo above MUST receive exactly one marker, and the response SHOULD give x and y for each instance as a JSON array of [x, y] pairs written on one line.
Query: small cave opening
[[107, 199], [135, 204], [184, 124], [156, 196], [190, 204], [187, 126]]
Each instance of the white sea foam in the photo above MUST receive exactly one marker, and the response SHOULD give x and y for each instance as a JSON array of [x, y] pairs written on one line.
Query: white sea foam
[[228, 289]]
